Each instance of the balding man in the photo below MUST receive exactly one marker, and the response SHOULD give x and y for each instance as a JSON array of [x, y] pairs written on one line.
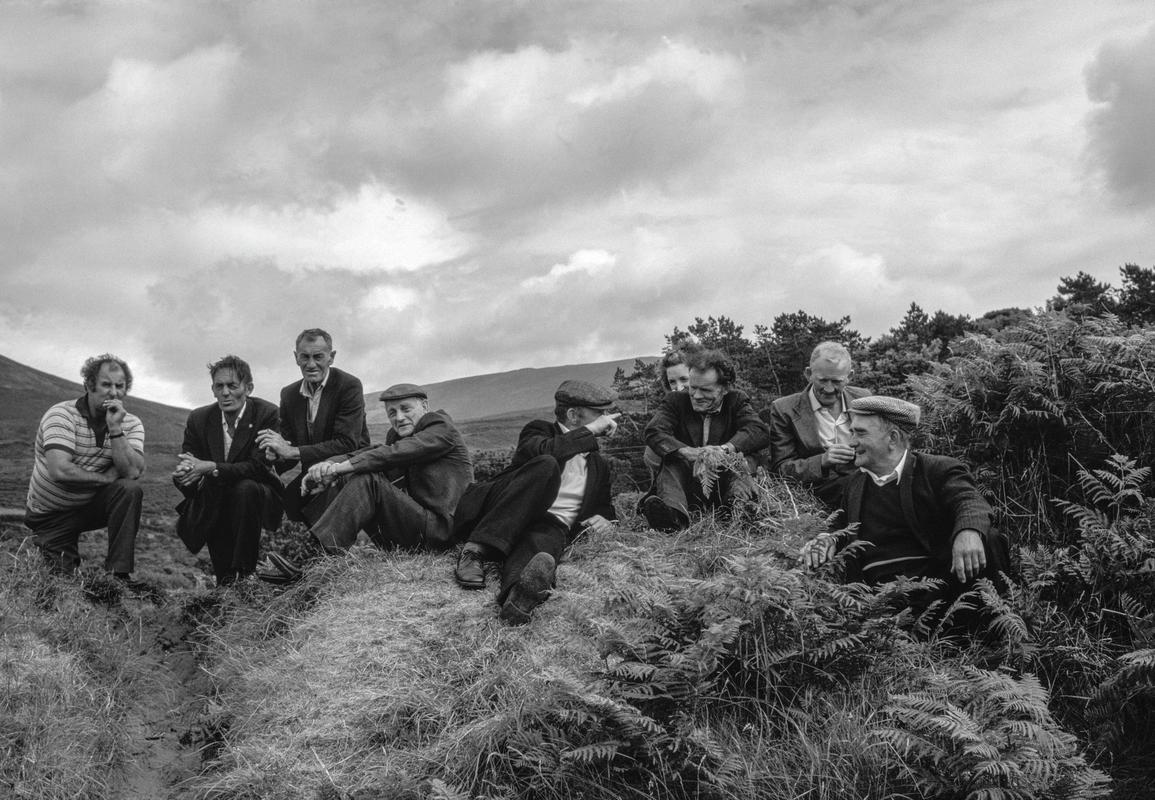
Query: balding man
[[922, 513], [810, 430], [321, 416]]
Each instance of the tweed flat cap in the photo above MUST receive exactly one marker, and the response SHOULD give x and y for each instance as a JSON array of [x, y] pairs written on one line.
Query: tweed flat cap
[[585, 394], [897, 411], [400, 391]]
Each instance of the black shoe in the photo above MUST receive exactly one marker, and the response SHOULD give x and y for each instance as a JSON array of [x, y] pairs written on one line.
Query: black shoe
[[530, 591], [469, 574], [660, 516], [278, 569]]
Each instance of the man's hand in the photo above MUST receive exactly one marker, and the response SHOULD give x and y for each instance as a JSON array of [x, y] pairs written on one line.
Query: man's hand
[[838, 454], [597, 524], [689, 454], [818, 550], [968, 556], [605, 425], [273, 443], [114, 412], [322, 475], [190, 469]]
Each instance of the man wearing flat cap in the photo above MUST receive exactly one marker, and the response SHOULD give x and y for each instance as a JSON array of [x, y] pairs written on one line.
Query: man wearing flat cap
[[711, 419], [402, 493], [922, 513], [557, 486], [810, 430]]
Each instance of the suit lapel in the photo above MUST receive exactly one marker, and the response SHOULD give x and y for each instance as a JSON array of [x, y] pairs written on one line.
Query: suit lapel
[[804, 422], [325, 406], [906, 495], [216, 435], [244, 432], [854, 490]]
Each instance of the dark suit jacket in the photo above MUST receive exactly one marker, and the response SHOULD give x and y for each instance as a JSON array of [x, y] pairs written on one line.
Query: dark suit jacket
[[432, 465], [795, 451], [203, 504], [339, 427], [939, 499], [541, 437], [676, 424]]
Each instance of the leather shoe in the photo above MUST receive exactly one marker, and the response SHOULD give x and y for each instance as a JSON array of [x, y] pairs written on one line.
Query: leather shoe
[[469, 574], [530, 591], [660, 516]]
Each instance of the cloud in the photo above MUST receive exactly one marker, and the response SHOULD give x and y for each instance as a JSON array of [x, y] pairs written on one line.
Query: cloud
[[1121, 81], [583, 264]]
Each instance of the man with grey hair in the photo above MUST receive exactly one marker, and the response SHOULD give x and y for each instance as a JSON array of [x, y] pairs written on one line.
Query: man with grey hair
[[88, 459], [922, 513], [810, 430]]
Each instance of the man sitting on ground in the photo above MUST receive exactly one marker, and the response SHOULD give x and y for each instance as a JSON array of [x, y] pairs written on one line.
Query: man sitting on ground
[[230, 491], [810, 430], [321, 416], [88, 459], [557, 486], [708, 421], [922, 513], [401, 493]]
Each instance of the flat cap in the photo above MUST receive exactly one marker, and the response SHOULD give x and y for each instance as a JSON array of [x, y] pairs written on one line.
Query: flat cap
[[585, 394], [893, 409], [400, 391]]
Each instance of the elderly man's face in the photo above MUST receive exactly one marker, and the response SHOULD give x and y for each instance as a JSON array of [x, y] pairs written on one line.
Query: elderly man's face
[[875, 443], [314, 357], [828, 379], [229, 391], [706, 391], [404, 414]]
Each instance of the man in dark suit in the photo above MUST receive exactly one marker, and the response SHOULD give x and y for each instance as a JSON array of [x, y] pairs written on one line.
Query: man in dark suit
[[230, 491], [322, 415], [557, 486], [922, 513], [810, 430], [403, 492], [709, 422]]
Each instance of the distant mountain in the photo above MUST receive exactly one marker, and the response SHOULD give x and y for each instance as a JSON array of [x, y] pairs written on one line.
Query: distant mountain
[[504, 393]]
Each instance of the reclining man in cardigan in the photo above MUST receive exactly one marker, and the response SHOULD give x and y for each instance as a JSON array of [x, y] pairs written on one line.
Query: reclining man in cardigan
[[557, 487], [401, 493], [922, 513]]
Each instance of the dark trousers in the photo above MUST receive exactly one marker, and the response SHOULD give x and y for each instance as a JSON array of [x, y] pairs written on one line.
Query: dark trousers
[[235, 541], [510, 515], [677, 487], [370, 502], [308, 509], [117, 505]]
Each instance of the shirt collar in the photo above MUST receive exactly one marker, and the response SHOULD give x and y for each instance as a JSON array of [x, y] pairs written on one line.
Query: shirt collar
[[96, 422], [320, 386], [895, 475], [240, 414]]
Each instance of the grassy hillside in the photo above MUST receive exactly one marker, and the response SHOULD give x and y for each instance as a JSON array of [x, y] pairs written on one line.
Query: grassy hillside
[[499, 393]]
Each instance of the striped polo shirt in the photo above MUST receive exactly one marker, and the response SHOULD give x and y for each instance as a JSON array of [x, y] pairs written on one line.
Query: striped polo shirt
[[66, 426]]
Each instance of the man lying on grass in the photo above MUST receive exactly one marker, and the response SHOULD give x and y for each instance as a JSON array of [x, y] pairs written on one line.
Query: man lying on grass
[[557, 486], [922, 513], [402, 493]]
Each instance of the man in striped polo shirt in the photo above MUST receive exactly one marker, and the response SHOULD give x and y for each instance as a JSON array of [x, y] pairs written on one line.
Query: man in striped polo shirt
[[89, 457]]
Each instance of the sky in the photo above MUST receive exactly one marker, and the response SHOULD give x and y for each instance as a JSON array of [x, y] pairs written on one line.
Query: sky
[[458, 188]]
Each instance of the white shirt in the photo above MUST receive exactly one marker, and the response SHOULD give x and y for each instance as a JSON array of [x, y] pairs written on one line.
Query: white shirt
[[225, 428], [314, 397], [895, 475], [573, 487], [832, 430]]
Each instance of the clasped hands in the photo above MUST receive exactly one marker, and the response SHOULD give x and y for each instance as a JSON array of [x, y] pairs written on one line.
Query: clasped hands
[[322, 475], [692, 454], [190, 470]]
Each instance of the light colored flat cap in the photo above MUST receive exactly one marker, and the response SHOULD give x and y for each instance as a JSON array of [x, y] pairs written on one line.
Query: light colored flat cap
[[399, 391], [584, 394], [896, 410]]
